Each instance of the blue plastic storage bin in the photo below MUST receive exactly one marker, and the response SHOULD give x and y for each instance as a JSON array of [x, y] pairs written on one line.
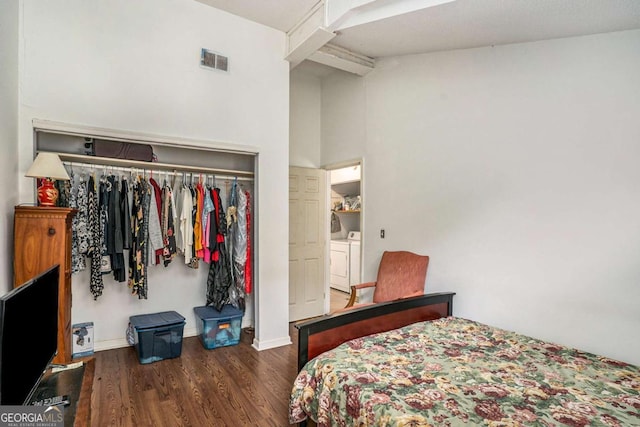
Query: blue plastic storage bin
[[218, 328], [158, 335]]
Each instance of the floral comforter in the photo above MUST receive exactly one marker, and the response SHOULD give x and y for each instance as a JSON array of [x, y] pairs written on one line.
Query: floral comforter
[[451, 372]]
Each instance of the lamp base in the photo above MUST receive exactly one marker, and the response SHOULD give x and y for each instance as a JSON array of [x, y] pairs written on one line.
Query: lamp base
[[47, 193]]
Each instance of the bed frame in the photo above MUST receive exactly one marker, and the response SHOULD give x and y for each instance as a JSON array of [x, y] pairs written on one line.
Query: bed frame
[[319, 335]]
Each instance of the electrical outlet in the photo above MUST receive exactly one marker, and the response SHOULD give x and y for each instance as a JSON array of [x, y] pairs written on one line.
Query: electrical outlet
[[382, 233]]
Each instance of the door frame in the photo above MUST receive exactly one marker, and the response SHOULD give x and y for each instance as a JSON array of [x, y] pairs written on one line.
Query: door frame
[[329, 167]]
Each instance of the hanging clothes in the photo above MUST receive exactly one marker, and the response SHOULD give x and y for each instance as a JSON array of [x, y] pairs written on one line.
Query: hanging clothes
[[232, 218], [114, 227], [64, 193], [78, 190], [219, 277], [197, 226], [83, 232], [236, 242], [138, 255], [104, 193], [96, 285], [125, 214], [186, 223], [176, 202], [207, 210], [114, 215], [156, 245], [240, 245], [168, 227], [247, 266], [194, 262]]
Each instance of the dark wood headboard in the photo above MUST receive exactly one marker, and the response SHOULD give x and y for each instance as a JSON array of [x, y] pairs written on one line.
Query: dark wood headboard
[[319, 335]]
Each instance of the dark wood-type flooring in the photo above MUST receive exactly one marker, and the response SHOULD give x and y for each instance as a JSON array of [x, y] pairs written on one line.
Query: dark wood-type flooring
[[227, 386]]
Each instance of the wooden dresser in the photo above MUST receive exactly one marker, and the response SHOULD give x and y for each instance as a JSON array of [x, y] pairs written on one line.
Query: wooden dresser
[[42, 238]]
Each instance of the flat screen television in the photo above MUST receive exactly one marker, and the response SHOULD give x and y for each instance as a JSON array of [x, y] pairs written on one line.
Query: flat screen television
[[28, 336]]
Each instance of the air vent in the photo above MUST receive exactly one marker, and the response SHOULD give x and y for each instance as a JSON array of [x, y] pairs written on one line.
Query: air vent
[[214, 60]]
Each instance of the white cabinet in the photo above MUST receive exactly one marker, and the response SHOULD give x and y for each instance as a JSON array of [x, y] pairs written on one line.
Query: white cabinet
[[339, 272]]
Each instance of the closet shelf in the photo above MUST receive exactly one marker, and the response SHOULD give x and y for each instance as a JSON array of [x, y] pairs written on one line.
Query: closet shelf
[[152, 166], [351, 188], [349, 211]]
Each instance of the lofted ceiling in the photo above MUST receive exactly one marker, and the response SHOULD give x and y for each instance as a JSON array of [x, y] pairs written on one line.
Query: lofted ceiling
[[438, 25]]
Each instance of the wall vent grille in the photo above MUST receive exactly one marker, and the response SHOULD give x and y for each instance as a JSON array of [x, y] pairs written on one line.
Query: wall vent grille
[[214, 60]]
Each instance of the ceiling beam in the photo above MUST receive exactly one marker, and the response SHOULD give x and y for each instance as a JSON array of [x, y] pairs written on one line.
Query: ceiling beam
[[307, 36], [343, 59], [308, 40]]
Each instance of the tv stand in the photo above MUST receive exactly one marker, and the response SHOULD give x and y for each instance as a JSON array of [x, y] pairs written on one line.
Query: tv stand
[[77, 385]]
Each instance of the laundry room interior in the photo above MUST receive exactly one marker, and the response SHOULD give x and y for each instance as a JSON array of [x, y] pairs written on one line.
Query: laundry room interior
[[346, 229]]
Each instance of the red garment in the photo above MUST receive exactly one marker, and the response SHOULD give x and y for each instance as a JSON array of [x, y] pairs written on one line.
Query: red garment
[[247, 264], [198, 223], [215, 197]]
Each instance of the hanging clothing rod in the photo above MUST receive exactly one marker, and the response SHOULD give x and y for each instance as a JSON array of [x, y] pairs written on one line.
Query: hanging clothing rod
[[93, 161], [192, 176]]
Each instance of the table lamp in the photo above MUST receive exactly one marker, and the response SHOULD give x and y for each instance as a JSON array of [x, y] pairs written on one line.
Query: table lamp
[[48, 167]]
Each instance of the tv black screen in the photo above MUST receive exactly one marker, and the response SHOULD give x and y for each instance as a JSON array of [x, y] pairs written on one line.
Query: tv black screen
[[28, 336]]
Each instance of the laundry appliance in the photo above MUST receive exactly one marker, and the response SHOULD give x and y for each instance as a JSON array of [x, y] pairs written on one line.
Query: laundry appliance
[[345, 262]]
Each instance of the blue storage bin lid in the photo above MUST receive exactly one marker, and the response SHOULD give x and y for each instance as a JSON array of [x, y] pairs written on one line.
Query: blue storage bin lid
[[154, 320], [208, 312]]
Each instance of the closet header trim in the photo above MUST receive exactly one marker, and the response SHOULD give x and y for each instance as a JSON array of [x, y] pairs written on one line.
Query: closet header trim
[[49, 126], [92, 161]]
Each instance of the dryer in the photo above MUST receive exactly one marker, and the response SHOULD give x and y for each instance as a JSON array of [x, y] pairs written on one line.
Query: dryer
[[345, 262], [354, 258]]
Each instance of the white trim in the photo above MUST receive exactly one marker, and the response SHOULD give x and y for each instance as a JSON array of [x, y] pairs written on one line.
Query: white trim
[[49, 126], [122, 342], [266, 345], [81, 159]]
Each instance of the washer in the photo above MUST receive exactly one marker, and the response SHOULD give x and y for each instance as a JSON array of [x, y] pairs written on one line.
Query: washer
[[339, 271], [345, 262], [354, 258]]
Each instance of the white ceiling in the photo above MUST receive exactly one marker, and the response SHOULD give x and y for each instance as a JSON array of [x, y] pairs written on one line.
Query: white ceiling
[[458, 24]]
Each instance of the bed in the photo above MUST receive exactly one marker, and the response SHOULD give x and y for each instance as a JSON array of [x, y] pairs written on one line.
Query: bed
[[448, 371]]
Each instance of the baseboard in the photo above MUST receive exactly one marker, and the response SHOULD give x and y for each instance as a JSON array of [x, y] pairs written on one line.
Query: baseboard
[[122, 342], [266, 345]]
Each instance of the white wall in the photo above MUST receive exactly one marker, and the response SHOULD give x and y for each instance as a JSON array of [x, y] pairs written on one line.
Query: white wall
[[305, 113], [135, 66], [8, 134], [516, 169], [344, 129]]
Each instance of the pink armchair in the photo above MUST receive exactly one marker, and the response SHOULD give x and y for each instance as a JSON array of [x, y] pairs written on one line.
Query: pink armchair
[[401, 274]]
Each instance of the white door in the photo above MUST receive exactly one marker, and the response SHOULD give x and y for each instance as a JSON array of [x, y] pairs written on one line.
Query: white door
[[307, 235]]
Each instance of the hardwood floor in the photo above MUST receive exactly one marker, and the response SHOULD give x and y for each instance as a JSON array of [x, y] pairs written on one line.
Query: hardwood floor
[[227, 386], [338, 299]]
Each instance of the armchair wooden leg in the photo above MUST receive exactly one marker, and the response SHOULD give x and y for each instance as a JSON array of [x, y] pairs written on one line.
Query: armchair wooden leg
[[352, 297]]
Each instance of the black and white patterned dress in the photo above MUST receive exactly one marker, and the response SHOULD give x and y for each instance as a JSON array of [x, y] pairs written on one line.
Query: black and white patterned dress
[[139, 253], [79, 228], [96, 285]]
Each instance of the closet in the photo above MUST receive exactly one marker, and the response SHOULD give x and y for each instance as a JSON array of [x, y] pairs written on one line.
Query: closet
[[174, 286], [345, 248]]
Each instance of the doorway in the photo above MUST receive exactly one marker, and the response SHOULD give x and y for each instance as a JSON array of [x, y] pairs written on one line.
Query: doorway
[[345, 231]]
